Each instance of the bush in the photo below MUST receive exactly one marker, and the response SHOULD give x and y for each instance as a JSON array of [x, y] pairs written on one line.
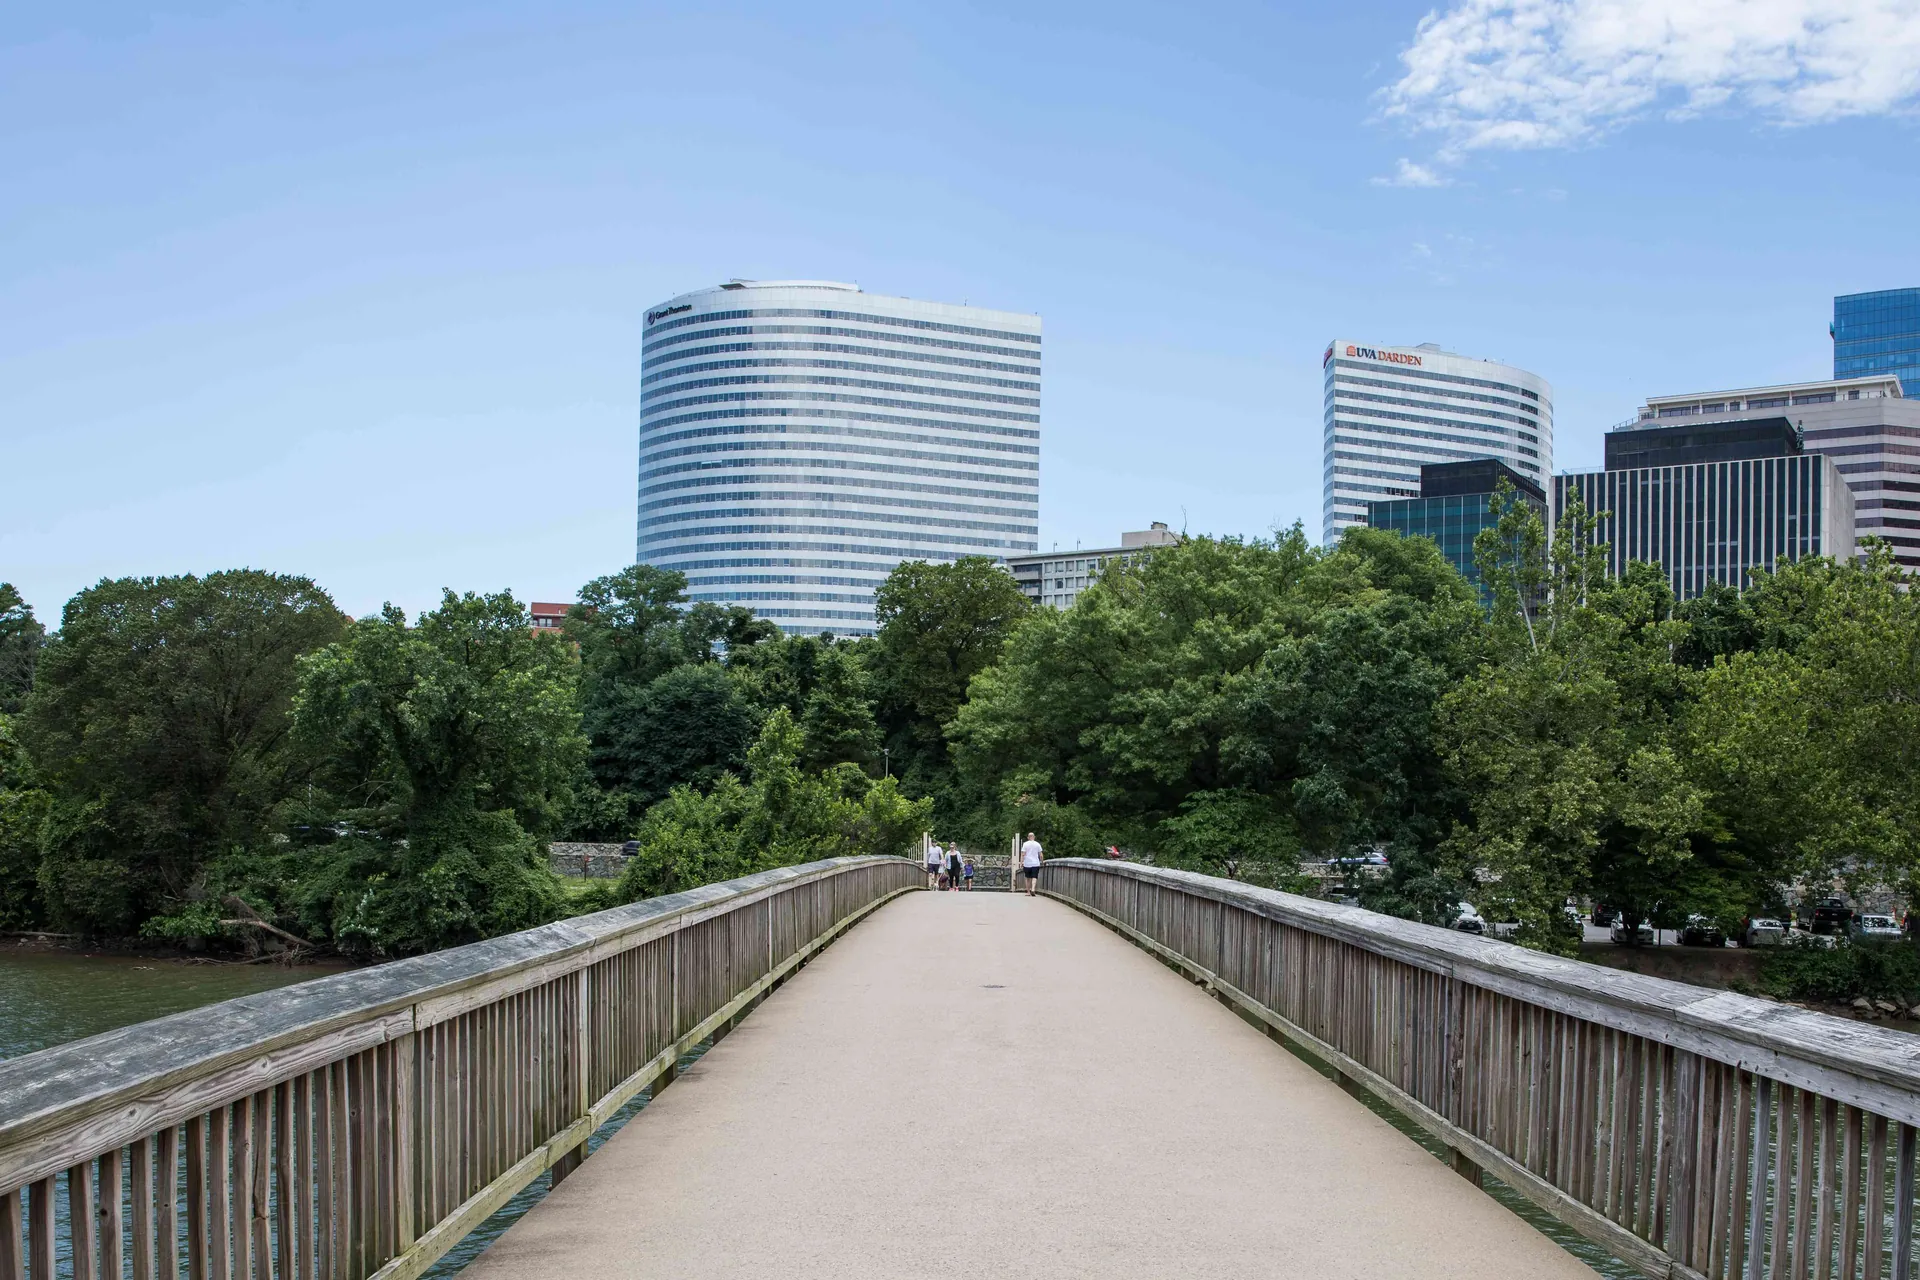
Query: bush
[[1803, 969]]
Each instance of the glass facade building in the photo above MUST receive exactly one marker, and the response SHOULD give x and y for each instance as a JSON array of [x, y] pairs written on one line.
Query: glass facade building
[[798, 439], [1878, 333], [1387, 411], [1454, 506]]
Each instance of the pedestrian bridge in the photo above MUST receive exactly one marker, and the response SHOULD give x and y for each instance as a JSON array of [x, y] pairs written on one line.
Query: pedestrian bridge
[[962, 1085]]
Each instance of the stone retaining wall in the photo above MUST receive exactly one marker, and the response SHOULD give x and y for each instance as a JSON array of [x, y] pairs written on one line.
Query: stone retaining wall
[[595, 861]]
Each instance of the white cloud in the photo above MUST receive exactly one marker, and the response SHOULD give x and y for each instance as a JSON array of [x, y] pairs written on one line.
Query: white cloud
[[1493, 74], [1409, 174]]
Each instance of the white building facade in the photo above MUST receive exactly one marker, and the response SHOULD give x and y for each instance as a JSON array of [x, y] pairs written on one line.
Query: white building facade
[[1388, 410], [799, 439]]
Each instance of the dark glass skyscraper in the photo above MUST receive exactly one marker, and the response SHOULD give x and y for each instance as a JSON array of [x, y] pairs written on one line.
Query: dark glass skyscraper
[[1878, 333]]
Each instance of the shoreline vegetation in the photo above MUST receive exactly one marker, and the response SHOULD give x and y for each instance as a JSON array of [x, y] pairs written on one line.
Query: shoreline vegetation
[[230, 763]]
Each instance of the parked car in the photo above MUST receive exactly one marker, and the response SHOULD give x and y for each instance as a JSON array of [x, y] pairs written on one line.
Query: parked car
[[1643, 935], [1876, 929], [1699, 931], [1604, 915], [1765, 931], [1373, 859], [1828, 915], [1467, 920]]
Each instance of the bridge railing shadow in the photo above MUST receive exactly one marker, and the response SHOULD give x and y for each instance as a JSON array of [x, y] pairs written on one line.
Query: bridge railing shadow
[[360, 1125], [1688, 1132]]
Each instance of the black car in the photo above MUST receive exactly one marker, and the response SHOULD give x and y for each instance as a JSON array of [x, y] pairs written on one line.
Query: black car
[[1829, 915], [1702, 932], [1604, 915]]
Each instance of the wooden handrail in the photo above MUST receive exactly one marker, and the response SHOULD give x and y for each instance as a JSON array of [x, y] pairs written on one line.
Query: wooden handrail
[[1690, 1132], [361, 1124]]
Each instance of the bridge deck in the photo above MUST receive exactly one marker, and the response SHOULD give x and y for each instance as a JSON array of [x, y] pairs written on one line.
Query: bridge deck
[[983, 1085]]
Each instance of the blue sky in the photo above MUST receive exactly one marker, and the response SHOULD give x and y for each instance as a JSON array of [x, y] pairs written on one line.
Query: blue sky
[[323, 289]]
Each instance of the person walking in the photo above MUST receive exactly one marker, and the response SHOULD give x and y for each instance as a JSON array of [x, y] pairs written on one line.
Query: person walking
[[966, 873], [953, 868], [933, 864], [1030, 858]]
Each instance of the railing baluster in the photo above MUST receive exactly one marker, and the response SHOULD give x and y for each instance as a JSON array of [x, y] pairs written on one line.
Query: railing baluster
[[112, 1247], [13, 1252], [1850, 1199], [141, 1196], [1876, 1200], [166, 1203], [40, 1229], [1828, 1162], [1903, 1206]]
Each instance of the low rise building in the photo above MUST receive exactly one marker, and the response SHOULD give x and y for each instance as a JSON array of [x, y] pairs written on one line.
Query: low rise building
[[547, 616], [1056, 579], [1455, 504]]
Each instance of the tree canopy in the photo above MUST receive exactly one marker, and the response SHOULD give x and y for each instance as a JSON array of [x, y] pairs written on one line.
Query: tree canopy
[[159, 725]]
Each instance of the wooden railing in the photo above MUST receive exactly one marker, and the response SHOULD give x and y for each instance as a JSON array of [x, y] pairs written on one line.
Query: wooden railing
[[1689, 1132], [360, 1125]]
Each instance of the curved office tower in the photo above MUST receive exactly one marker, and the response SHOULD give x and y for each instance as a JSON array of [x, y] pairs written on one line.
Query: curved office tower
[[1389, 410], [800, 438]]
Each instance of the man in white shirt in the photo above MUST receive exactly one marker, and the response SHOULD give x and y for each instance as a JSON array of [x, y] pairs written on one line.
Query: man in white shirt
[[1030, 863], [935, 855]]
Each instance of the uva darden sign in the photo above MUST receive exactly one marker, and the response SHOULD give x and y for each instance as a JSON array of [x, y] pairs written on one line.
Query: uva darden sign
[[1389, 357]]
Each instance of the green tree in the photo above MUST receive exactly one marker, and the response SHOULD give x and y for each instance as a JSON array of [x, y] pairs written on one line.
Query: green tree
[[21, 639], [1810, 740], [940, 625], [448, 750], [837, 720], [1229, 705], [658, 712], [23, 812], [1566, 739], [688, 725], [781, 815], [159, 725]]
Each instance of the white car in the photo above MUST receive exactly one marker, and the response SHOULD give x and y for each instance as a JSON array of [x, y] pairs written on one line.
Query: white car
[[1765, 931], [1877, 928], [1467, 920], [1646, 936]]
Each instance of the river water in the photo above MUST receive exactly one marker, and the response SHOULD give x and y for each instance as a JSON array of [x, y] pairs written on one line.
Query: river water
[[51, 997]]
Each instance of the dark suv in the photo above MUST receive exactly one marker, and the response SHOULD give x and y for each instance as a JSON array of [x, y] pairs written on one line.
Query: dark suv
[[1829, 915]]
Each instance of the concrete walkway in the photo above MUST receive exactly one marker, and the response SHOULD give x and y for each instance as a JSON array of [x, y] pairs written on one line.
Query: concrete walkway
[[983, 1085]]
